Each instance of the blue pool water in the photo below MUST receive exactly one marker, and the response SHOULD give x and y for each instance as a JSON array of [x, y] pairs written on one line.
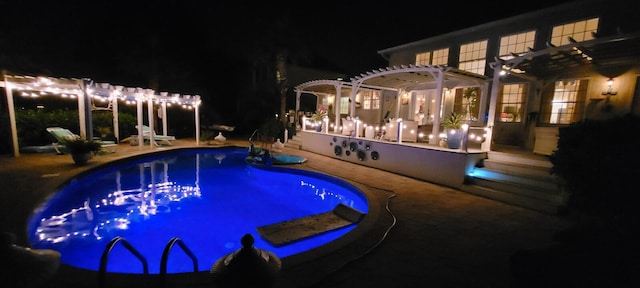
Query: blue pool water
[[208, 198]]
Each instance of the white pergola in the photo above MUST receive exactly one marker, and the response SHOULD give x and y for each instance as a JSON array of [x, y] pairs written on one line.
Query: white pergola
[[399, 79], [85, 90]]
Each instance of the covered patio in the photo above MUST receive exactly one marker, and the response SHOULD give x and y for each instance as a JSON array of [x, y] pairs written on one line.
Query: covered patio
[[402, 133], [401, 94]]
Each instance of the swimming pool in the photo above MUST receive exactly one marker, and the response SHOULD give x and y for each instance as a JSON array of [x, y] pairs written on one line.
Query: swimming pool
[[209, 198]]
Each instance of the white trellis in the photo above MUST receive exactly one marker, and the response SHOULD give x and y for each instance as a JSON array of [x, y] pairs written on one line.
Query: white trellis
[[85, 90]]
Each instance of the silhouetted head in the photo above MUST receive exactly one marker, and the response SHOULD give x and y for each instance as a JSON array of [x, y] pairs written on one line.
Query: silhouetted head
[[247, 240]]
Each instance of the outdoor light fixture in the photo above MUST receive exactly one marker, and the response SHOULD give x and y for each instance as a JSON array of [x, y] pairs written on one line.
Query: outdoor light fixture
[[609, 90]]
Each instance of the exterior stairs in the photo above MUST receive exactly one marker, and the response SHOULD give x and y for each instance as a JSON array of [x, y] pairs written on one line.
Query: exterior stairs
[[520, 179], [295, 142]]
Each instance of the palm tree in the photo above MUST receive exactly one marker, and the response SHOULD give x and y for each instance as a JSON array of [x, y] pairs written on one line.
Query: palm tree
[[273, 49]]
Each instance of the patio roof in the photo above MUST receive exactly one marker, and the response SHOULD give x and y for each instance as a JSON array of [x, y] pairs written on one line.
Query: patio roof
[[324, 87], [609, 56], [407, 78], [417, 77]]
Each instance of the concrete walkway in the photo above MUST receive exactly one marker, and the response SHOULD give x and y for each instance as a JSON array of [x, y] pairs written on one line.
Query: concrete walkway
[[420, 234]]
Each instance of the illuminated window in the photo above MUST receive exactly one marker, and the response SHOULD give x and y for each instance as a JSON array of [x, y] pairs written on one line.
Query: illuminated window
[[436, 57], [510, 105], [466, 102], [579, 31], [440, 57], [423, 58], [516, 44], [566, 104], [473, 57], [344, 105], [371, 100]]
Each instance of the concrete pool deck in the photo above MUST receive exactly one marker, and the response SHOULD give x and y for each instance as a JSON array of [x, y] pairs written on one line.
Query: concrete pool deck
[[430, 236]]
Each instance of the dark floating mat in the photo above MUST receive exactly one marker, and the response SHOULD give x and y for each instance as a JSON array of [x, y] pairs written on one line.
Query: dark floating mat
[[293, 230]]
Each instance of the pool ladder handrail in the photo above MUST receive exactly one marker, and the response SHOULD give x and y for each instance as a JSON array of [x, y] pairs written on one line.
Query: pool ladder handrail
[[257, 131], [102, 274], [163, 263], [165, 256]]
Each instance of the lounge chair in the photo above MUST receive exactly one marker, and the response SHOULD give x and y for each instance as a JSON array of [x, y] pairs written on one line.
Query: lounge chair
[[158, 140], [62, 135]]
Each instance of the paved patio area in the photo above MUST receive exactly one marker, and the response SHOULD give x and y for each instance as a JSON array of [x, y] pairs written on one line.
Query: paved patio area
[[423, 235]]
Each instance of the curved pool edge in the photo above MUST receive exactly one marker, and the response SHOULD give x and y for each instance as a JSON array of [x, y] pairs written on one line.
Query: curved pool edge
[[374, 207], [297, 270], [302, 269]]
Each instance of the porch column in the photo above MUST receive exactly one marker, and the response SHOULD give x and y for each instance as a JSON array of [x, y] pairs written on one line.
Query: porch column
[[352, 106], [336, 108], [483, 107], [495, 85], [435, 131], [412, 106], [296, 121], [398, 103], [399, 127]]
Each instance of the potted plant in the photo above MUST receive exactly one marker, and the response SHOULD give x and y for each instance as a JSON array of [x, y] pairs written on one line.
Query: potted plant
[[81, 149], [318, 118], [104, 131], [453, 127]]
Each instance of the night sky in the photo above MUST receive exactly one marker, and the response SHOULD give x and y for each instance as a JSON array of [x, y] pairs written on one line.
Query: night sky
[[205, 47]]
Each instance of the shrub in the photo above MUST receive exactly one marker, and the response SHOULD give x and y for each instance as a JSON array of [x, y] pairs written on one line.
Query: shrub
[[597, 160], [271, 129]]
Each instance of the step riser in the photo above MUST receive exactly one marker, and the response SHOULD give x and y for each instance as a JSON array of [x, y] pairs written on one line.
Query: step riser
[[295, 142], [551, 196], [519, 169], [513, 199], [508, 158], [517, 180], [536, 183]]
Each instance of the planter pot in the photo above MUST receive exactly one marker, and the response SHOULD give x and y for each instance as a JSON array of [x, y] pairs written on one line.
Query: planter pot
[[319, 128], [454, 138], [81, 159]]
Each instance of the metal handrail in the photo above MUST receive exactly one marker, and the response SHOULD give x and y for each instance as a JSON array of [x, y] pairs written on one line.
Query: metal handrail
[[165, 257], [102, 275], [254, 134]]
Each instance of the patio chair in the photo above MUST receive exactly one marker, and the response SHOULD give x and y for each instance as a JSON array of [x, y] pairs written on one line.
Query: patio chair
[[158, 140], [62, 135]]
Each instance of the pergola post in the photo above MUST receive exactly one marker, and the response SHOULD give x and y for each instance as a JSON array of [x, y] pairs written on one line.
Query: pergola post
[[82, 107], [12, 117], [139, 99], [196, 113], [149, 95], [116, 123]]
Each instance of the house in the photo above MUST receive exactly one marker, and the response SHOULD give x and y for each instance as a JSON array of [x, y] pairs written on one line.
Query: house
[[516, 81]]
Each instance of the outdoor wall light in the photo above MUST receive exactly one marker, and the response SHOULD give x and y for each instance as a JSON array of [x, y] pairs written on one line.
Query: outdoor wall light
[[609, 90]]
